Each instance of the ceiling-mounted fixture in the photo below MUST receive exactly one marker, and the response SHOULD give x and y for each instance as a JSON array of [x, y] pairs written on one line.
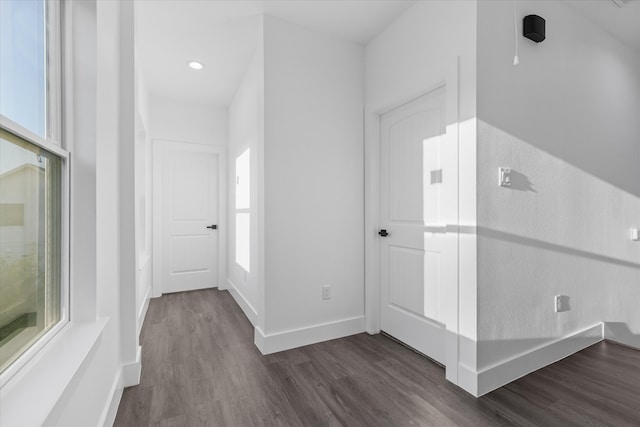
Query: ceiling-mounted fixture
[[533, 28], [195, 65]]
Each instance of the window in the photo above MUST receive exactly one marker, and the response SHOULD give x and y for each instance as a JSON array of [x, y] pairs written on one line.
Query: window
[[32, 182], [243, 215]]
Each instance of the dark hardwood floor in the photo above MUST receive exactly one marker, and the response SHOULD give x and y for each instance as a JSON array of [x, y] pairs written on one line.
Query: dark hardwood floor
[[200, 368]]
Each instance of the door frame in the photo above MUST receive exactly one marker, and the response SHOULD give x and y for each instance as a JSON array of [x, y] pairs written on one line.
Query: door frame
[[450, 80], [159, 146]]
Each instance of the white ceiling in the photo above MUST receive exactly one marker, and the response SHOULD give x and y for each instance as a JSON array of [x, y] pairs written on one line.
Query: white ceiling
[[223, 34], [623, 23]]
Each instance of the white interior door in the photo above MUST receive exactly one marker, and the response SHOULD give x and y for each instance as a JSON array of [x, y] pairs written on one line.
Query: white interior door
[[189, 195], [416, 255]]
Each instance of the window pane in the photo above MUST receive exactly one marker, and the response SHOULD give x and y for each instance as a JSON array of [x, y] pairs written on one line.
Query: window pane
[[243, 243], [30, 244], [22, 63], [243, 184]]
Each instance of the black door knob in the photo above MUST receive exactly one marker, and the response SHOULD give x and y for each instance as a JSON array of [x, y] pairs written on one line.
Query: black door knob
[[383, 233], [213, 227]]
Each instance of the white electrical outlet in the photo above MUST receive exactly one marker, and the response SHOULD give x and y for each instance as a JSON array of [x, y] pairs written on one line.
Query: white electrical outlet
[[558, 303], [326, 292]]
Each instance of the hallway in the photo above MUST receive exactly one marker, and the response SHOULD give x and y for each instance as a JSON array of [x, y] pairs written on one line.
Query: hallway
[[200, 368]]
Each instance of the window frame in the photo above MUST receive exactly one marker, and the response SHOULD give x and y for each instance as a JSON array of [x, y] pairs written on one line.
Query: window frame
[[53, 143]]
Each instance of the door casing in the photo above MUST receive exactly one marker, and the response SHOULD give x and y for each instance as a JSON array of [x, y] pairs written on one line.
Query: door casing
[[450, 80], [159, 146]]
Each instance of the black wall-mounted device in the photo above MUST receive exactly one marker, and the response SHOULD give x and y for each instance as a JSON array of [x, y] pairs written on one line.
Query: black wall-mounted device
[[533, 28]]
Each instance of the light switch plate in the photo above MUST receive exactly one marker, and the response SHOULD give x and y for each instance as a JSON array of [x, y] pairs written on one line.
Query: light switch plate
[[561, 303], [326, 292], [504, 177], [635, 234]]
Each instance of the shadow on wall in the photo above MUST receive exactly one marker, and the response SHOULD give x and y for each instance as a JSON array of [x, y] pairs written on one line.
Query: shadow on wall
[[620, 332], [520, 182], [497, 352], [528, 241]]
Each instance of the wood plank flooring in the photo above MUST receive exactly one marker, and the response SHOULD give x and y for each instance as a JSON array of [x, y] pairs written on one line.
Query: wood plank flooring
[[200, 368]]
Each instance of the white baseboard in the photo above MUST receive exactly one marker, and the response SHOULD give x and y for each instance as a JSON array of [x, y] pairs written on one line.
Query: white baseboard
[[505, 372], [287, 340], [110, 410], [245, 305], [468, 379], [131, 371], [619, 333], [143, 310]]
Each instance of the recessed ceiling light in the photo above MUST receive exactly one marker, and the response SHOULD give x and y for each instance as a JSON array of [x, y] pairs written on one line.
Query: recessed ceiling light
[[195, 65]]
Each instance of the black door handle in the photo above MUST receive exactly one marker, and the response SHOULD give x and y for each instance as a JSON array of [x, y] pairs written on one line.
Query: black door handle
[[213, 227], [383, 233]]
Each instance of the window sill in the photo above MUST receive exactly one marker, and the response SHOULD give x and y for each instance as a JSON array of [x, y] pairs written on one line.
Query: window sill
[[30, 396]]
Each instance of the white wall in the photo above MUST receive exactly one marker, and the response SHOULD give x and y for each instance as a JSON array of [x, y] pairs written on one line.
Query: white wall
[[129, 339], [142, 197], [313, 181], [87, 399], [566, 121], [411, 57], [244, 134], [182, 121], [575, 95], [413, 54]]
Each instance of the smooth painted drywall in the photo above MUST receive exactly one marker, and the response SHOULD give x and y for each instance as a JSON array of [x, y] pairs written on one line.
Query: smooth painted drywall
[[243, 135], [411, 57], [413, 54], [576, 95], [129, 339], [142, 196], [313, 177], [566, 121], [86, 399], [182, 121]]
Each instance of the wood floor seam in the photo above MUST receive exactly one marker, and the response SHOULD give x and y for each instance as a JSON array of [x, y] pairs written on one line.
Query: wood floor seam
[[201, 368]]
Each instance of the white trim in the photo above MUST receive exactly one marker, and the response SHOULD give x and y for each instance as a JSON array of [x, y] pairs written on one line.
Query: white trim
[[143, 260], [156, 221], [371, 222], [22, 361], [244, 304], [24, 133], [452, 294], [372, 215], [65, 231], [46, 376], [110, 410], [468, 379], [294, 338], [157, 147], [131, 371], [143, 310], [54, 48], [502, 373]]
